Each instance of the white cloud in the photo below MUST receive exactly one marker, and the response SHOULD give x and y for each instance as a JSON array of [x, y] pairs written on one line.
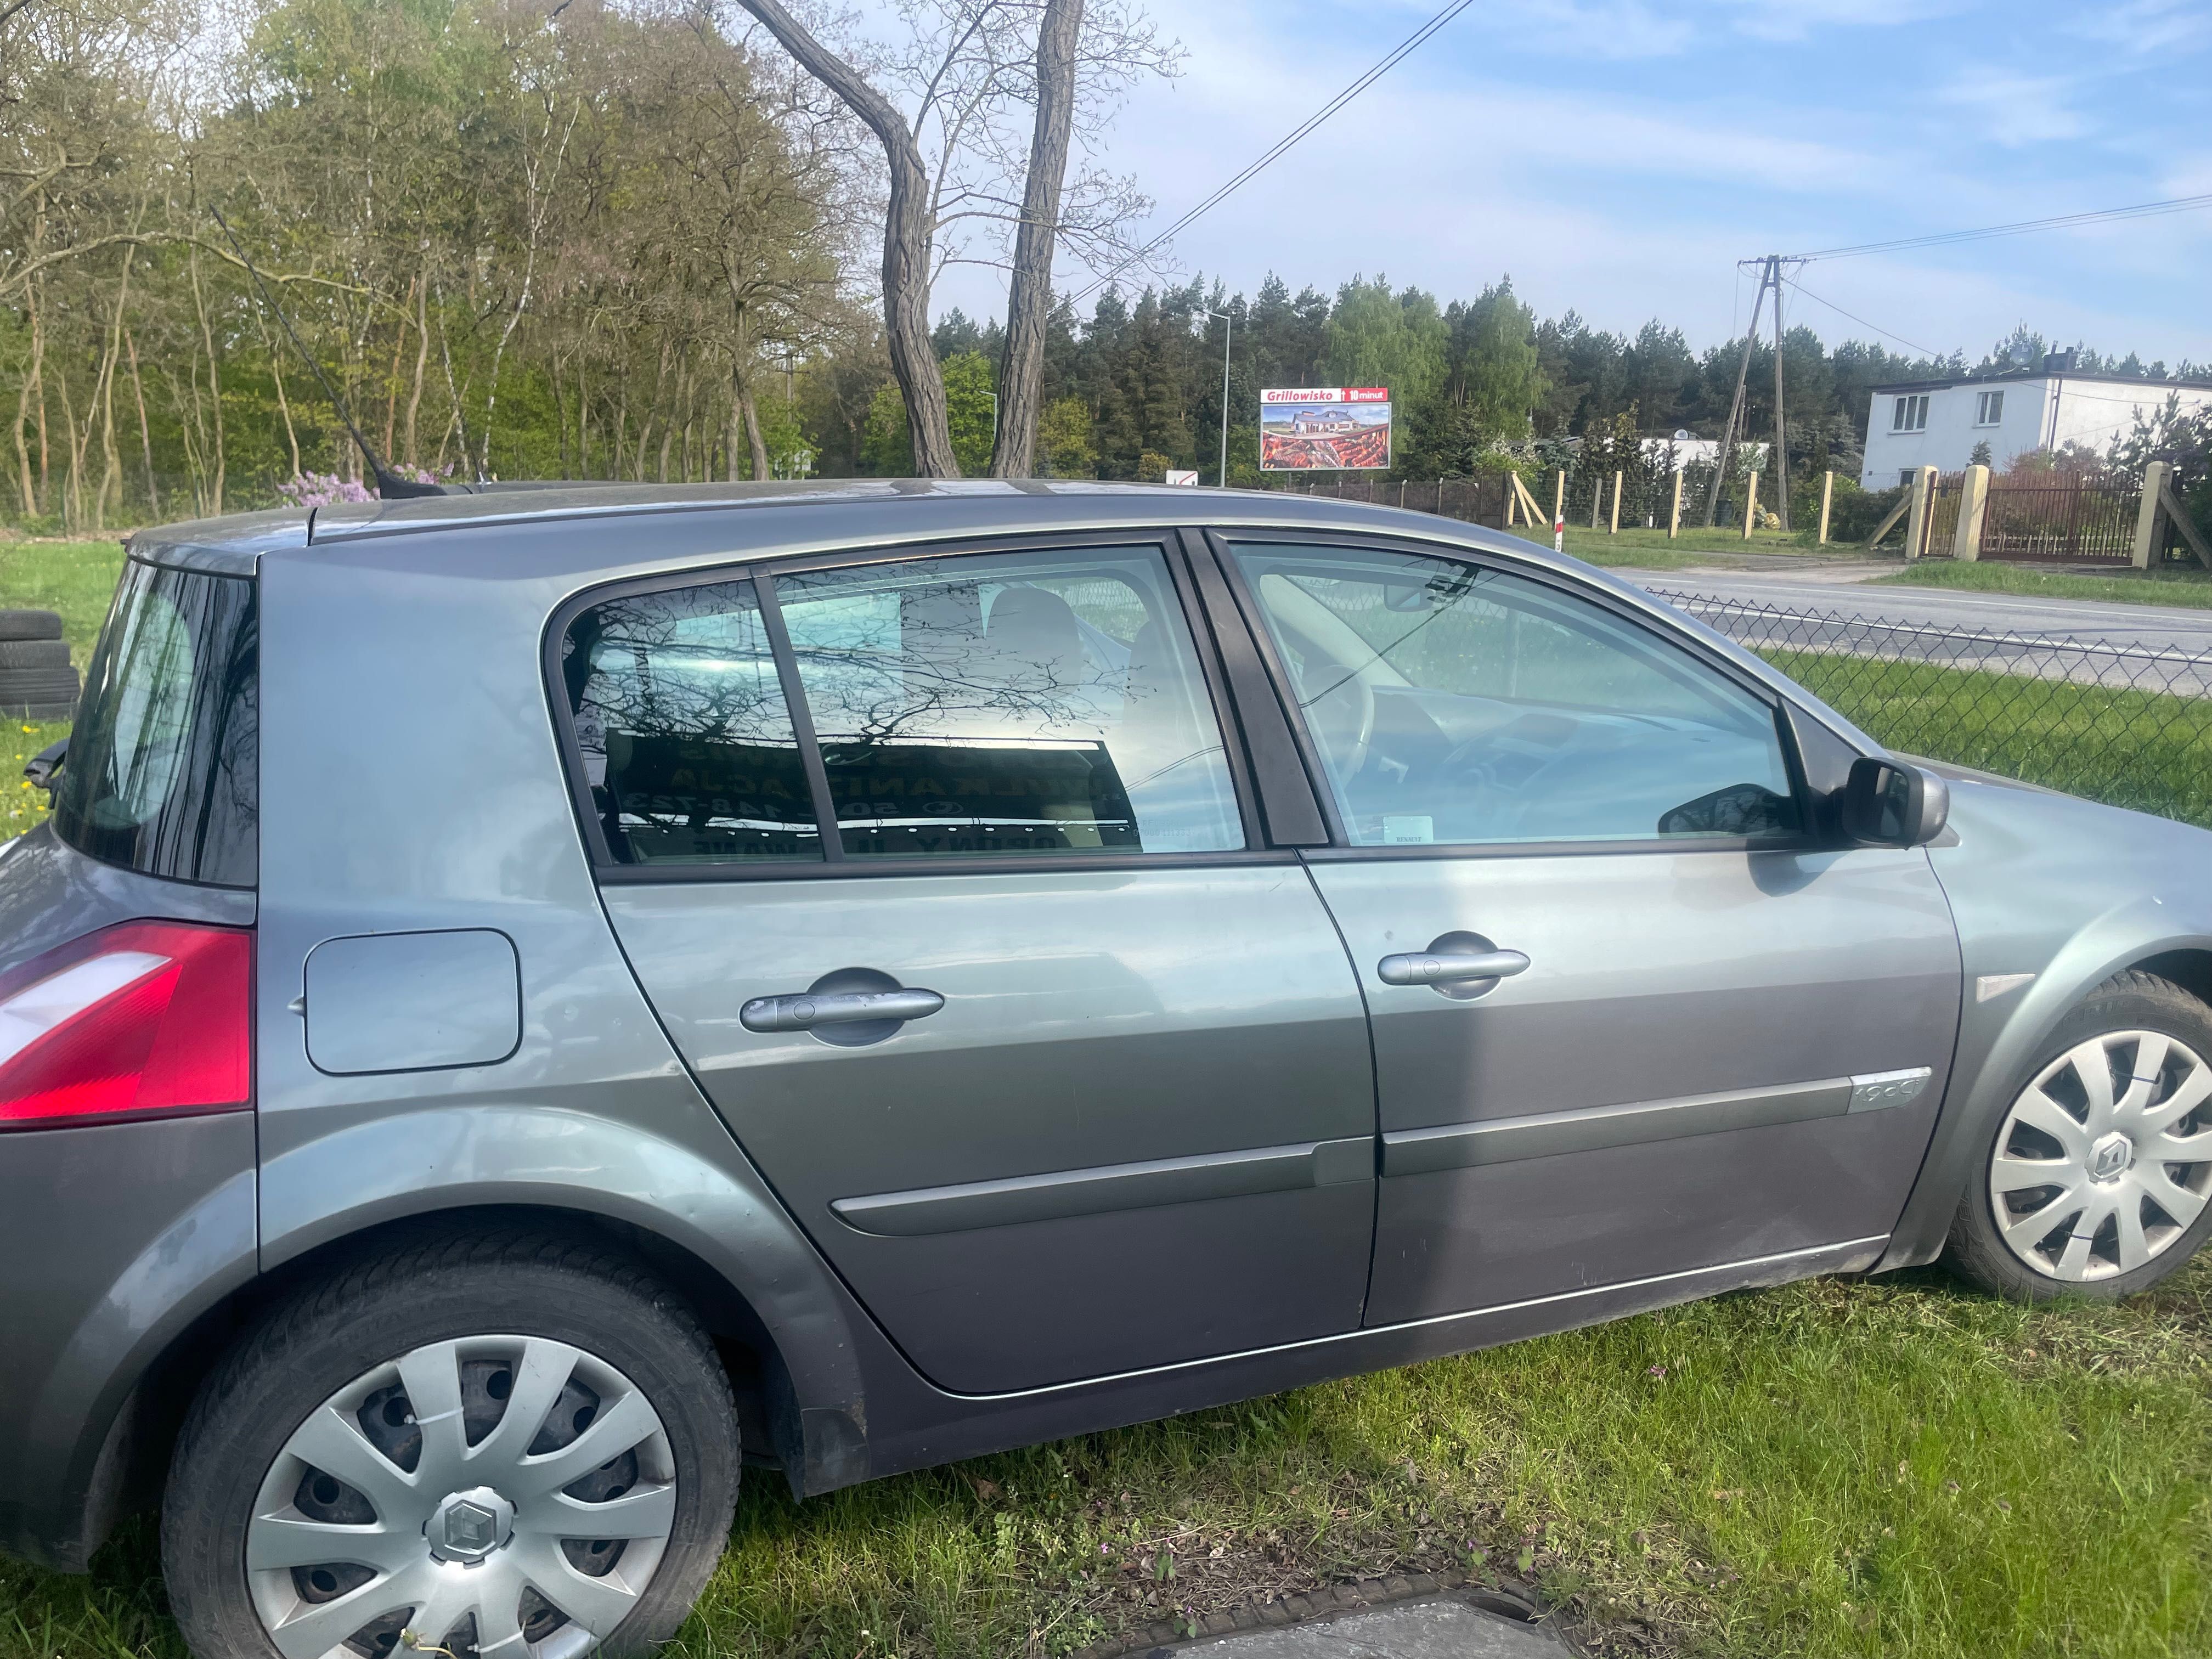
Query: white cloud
[[2017, 110], [1627, 192], [2149, 26]]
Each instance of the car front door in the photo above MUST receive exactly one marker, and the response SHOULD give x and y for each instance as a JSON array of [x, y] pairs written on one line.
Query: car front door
[[937, 870], [1631, 1019]]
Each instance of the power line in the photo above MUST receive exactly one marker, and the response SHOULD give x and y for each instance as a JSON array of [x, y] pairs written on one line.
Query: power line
[[1860, 320], [2140, 211], [1282, 145]]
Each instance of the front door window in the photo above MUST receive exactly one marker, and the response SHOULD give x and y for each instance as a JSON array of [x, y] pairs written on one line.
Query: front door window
[[1458, 705]]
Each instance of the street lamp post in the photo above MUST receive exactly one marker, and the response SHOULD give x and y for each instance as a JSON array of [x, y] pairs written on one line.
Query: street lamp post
[[1228, 328]]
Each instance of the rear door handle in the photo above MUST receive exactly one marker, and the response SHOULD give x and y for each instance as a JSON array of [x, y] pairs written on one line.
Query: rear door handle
[[803, 1011], [1448, 968]]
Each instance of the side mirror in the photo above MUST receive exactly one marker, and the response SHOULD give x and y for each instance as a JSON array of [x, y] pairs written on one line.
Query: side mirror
[[45, 763], [1886, 803]]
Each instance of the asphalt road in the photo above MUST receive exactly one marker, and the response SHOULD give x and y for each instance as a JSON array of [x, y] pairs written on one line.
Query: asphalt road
[[2143, 647], [2157, 628]]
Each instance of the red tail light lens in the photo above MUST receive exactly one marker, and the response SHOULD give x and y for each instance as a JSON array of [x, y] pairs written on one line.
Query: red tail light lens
[[146, 1019]]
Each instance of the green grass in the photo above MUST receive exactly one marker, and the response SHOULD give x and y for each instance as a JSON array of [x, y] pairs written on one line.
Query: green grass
[[2190, 587], [1892, 1466], [1650, 550], [77, 578], [2138, 748]]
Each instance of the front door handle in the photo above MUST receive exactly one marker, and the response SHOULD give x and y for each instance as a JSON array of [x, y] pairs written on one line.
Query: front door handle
[[803, 1011], [1448, 966]]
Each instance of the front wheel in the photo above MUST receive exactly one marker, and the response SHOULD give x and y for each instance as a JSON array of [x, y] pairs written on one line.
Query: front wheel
[[2097, 1179], [506, 1446]]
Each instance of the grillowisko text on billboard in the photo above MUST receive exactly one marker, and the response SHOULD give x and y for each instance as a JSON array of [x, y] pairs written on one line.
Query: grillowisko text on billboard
[[1324, 428]]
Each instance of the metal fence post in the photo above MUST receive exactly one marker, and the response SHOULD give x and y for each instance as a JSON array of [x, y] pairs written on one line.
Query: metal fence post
[[2153, 485], [1973, 503], [1827, 495]]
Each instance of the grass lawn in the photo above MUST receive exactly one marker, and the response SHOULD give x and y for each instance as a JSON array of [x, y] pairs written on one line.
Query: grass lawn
[[77, 578], [1888, 1467], [1649, 549], [2138, 748], [2184, 586]]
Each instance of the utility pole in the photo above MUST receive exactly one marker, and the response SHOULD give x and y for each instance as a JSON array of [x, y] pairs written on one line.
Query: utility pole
[[1727, 454], [1780, 432], [1770, 276], [1228, 328]]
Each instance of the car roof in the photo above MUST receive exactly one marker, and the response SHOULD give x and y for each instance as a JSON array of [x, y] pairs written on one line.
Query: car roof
[[234, 544]]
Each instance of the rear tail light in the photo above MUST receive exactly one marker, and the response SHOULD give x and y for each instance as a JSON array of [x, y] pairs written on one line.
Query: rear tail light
[[144, 1019]]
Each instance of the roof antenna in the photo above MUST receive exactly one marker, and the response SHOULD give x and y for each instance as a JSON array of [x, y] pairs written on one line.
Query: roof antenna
[[389, 484]]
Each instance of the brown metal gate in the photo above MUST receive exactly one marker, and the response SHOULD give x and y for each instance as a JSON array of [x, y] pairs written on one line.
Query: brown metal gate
[[2077, 523]]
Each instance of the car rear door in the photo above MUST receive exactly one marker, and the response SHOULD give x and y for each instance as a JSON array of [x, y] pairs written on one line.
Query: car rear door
[[940, 873], [1711, 1040]]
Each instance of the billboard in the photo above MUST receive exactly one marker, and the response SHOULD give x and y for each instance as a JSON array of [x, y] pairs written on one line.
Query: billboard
[[1324, 428]]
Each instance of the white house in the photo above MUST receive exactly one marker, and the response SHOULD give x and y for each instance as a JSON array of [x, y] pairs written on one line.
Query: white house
[[1936, 423]]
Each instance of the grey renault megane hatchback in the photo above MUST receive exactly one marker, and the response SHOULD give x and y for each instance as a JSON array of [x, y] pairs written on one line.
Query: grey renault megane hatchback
[[527, 996]]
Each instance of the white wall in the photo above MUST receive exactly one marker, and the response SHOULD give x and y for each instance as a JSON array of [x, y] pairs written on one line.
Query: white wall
[[1948, 441], [2091, 413]]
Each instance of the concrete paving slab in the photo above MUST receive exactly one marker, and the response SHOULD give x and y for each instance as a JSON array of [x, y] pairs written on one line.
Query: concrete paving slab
[[1439, 1628]]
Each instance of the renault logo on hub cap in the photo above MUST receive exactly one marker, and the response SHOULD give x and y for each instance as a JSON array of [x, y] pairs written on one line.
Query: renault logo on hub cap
[[2109, 1156], [470, 1525]]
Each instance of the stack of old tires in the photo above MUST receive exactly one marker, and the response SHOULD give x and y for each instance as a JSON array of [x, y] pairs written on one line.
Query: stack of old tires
[[36, 680]]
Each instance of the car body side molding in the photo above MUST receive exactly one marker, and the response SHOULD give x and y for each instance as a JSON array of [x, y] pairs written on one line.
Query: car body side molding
[[1110, 1187], [1542, 1135]]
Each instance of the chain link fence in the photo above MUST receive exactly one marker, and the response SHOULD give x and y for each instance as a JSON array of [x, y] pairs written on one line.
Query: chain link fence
[[2125, 723]]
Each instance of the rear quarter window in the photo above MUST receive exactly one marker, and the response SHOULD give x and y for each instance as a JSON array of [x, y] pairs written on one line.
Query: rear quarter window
[[162, 774]]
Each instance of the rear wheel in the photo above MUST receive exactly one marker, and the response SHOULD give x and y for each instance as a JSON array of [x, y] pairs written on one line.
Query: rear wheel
[[2097, 1179], [507, 1448]]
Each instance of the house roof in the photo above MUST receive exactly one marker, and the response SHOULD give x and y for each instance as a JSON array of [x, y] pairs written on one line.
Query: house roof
[[2019, 376]]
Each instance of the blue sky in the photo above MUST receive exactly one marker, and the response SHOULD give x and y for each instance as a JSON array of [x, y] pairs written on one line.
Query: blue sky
[[1620, 156]]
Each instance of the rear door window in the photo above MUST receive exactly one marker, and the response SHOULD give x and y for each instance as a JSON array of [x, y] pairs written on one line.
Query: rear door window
[[161, 771], [1032, 703], [981, 705]]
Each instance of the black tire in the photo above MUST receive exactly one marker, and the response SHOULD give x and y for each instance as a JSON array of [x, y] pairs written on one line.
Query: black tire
[[37, 684], [1976, 1250], [34, 653], [518, 1283], [30, 625]]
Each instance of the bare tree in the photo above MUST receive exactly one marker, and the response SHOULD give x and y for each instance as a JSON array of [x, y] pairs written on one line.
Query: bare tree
[[907, 239], [1029, 295]]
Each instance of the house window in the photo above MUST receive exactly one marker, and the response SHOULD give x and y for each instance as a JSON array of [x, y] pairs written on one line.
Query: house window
[[1988, 410], [1911, 415]]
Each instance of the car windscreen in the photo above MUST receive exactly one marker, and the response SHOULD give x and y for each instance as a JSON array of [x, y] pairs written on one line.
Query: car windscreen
[[161, 775]]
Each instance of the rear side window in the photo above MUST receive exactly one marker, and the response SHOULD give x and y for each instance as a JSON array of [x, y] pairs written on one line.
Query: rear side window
[[686, 741], [161, 774]]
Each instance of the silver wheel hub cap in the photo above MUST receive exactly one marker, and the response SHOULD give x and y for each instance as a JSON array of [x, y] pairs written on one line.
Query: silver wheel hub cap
[[2106, 1159], [498, 1497], [470, 1525]]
